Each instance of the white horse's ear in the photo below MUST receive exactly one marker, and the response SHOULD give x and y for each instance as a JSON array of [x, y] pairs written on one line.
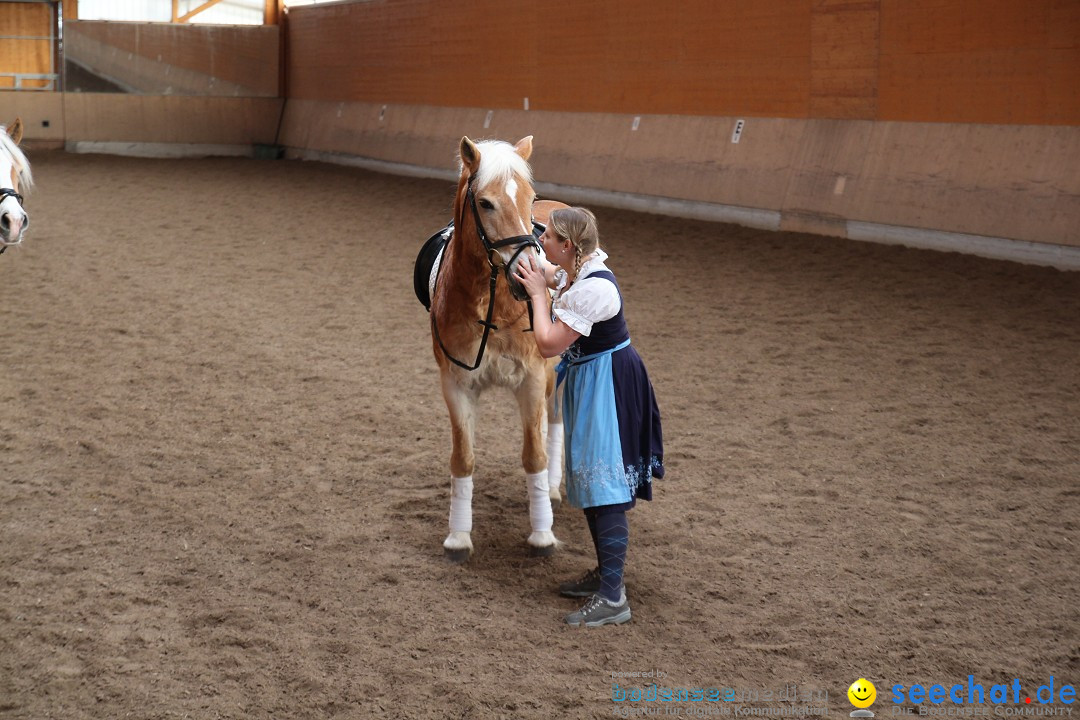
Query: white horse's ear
[[470, 155], [16, 130], [524, 147]]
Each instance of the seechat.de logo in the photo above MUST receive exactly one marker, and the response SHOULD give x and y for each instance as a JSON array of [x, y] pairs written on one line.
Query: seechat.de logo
[[976, 693]]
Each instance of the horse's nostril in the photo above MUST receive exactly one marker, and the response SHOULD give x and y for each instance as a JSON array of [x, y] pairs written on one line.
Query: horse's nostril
[[5, 222]]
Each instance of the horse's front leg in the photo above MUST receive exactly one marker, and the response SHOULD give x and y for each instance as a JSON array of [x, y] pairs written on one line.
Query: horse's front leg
[[460, 402], [554, 441], [531, 397]]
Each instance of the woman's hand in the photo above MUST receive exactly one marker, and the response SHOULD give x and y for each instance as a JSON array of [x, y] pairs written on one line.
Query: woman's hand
[[552, 335], [531, 275]]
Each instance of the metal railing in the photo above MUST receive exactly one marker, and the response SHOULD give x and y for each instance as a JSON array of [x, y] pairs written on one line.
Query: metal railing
[[20, 78]]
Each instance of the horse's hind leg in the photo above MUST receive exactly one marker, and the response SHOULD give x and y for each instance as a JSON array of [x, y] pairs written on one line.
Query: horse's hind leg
[[460, 403], [534, 459], [554, 444]]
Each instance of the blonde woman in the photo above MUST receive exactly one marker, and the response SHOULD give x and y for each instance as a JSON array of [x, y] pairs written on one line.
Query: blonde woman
[[612, 437]]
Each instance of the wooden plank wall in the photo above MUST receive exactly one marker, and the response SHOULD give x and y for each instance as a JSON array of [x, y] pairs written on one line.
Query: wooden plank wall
[[960, 116], [711, 57], [980, 61], [106, 122], [205, 90], [986, 61], [844, 59], [175, 119], [42, 113], [161, 58], [26, 53]]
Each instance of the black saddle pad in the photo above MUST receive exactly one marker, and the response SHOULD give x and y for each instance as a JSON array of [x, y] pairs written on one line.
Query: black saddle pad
[[425, 260]]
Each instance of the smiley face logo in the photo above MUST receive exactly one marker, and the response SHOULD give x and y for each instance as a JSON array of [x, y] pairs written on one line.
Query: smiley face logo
[[862, 693]]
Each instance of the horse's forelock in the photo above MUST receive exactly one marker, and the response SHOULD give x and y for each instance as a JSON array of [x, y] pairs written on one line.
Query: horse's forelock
[[22, 165], [499, 162]]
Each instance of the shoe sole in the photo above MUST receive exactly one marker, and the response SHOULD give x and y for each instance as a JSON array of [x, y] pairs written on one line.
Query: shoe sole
[[579, 593], [619, 619]]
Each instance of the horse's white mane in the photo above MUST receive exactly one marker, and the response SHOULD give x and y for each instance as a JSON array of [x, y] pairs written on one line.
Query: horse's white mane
[[500, 162], [22, 165]]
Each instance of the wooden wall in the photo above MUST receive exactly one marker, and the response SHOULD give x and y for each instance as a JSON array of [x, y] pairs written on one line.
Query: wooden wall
[[812, 175], [172, 119], [167, 125], [159, 58], [986, 61], [954, 120], [622, 56], [42, 114], [863, 118], [25, 47], [980, 61]]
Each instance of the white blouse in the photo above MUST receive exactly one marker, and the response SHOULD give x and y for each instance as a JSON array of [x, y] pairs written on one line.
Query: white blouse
[[588, 300]]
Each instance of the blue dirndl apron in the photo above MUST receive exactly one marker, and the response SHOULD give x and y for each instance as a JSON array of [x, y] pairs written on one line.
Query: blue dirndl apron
[[593, 461]]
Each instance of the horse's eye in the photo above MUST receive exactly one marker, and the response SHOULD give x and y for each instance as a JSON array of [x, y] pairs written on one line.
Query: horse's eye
[[486, 204]]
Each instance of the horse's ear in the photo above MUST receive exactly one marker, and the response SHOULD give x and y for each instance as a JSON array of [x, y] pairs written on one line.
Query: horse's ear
[[470, 155], [16, 130], [524, 147]]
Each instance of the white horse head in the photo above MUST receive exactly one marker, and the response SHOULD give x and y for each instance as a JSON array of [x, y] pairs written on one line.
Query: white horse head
[[15, 178]]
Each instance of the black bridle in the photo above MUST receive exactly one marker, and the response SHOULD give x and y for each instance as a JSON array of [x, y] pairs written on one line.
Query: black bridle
[[6, 193], [521, 242]]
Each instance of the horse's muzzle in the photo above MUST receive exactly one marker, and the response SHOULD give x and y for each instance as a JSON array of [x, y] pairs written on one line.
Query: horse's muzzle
[[516, 288], [12, 226]]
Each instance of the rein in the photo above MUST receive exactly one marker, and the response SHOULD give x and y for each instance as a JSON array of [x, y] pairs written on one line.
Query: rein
[[522, 242], [6, 193]]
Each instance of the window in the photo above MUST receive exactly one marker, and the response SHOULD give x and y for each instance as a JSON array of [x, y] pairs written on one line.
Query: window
[[224, 12]]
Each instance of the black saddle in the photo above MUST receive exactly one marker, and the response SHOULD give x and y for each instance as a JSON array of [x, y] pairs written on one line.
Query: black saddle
[[430, 251]]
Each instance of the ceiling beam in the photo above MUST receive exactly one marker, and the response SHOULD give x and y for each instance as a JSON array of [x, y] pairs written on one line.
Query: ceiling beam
[[187, 16]]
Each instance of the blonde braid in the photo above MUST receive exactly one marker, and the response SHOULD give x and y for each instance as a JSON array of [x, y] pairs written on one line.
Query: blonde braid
[[579, 259], [578, 225]]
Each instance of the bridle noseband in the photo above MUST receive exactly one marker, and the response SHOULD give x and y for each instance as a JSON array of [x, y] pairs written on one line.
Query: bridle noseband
[[6, 193], [521, 242]]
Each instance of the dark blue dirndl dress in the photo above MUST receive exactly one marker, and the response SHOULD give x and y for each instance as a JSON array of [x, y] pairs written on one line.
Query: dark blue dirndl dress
[[613, 440]]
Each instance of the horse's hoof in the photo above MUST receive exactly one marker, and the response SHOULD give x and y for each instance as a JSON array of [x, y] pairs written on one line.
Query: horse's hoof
[[457, 557], [556, 503], [541, 552]]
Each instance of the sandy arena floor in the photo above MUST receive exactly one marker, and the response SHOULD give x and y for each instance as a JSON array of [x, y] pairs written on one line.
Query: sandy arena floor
[[224, 479]]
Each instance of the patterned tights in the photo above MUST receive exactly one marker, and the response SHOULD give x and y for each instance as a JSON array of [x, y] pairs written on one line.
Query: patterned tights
[[611, 537]]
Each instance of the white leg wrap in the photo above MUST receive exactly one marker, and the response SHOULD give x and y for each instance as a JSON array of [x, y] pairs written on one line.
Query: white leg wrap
[[539, 502], [555, 455], [461, 504]]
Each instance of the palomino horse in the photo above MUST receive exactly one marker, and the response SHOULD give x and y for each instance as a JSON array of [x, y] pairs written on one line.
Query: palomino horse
[[14, 176], [479, 329]]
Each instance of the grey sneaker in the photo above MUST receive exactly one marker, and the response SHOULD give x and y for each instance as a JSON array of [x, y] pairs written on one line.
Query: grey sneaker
[[585, 586], [601, 611]]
